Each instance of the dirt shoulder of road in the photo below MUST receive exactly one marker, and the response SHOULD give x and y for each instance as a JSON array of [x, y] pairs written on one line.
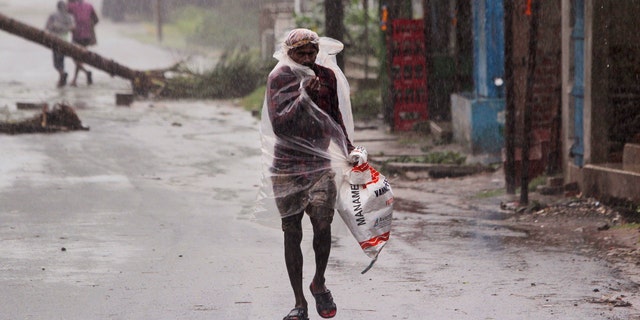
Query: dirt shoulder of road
[[586, 225], [576, 224], [583, 225]]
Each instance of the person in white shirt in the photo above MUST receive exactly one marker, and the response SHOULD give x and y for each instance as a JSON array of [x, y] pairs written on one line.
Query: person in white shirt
[[60, 23]]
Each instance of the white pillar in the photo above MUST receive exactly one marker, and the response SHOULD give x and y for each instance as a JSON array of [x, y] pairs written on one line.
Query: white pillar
[[297, 6]]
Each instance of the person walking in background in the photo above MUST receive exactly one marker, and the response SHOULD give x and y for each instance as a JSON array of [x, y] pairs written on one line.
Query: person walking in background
[[84, 33], [60, 23]]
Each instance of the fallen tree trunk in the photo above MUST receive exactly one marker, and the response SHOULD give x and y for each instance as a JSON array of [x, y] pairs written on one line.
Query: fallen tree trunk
[[233, 76], [142, 82]]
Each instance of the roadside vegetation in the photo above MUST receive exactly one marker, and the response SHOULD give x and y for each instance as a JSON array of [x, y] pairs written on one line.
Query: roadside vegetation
[[226, 36], [203, 29], [446, 157], [240, 73], [492, 193], [366, 104], [225, 27]]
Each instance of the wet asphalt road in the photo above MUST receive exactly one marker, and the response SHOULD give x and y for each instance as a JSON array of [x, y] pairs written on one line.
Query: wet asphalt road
[[149, 216]]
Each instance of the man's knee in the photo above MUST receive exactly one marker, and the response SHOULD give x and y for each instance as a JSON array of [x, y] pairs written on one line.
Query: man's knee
[[322, 224], [292, 224], [321, 217]]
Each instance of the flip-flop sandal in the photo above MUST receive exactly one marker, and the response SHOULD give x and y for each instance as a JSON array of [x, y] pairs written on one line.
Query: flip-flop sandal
[[297, 314], [324, 303]]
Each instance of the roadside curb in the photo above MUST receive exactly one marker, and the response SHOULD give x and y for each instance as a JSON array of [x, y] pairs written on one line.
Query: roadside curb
[[431, 170], [384, 147]]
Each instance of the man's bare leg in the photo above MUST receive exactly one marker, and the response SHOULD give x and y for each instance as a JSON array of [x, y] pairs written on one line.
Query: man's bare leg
[[292, 227], [322, 249]]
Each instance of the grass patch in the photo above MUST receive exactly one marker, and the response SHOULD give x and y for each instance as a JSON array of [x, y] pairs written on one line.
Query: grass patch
[[537, 181], [485, 194], [447, 157], [625, 226], [253, 102], [411, 138], [366, 104], [238, 73]]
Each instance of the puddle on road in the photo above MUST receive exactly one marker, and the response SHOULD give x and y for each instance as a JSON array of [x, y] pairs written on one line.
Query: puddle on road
[[415, 229], [473, 222]]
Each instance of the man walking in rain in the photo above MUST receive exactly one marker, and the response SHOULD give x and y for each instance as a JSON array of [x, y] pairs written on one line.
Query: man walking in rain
[[303, 129]]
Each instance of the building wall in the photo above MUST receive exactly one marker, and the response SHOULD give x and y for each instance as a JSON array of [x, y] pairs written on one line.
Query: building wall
[[615, 74], [567, 116], [611, 114]]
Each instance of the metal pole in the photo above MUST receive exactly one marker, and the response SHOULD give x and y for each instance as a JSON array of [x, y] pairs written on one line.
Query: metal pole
[[159, 19], [365, 6], [510, 106], [533, 41], [334, 24]]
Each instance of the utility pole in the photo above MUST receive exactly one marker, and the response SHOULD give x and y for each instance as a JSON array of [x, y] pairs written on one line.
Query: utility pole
[[159, 19], [365, 6], [334, 24], [533, 12], [510, 104]]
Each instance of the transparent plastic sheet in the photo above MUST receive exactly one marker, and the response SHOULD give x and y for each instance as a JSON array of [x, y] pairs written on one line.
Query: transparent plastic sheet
[[329, 48], [293, 149], [298, 151]]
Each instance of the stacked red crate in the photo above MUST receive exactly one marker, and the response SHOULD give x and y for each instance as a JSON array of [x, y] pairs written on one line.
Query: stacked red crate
[[409, 73]]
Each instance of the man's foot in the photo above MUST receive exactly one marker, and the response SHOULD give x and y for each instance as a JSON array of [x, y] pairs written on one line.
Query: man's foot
[[324, 302], [297, 314], [89, 78]]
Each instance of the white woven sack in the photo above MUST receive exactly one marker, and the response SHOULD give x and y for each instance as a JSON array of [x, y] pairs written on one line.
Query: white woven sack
[[367, 209]]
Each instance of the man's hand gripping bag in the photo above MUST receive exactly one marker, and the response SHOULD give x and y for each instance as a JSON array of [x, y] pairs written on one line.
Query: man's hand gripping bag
[[365, 203]]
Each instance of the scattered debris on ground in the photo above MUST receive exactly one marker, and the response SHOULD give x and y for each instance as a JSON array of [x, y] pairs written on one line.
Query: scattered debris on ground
[[59, 118], [608, 231], [616, 301]]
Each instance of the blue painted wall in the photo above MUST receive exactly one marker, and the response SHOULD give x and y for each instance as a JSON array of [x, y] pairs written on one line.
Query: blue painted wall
[[478, 123], [487, 130], [488, 47], [577, 149], [478, 118]]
